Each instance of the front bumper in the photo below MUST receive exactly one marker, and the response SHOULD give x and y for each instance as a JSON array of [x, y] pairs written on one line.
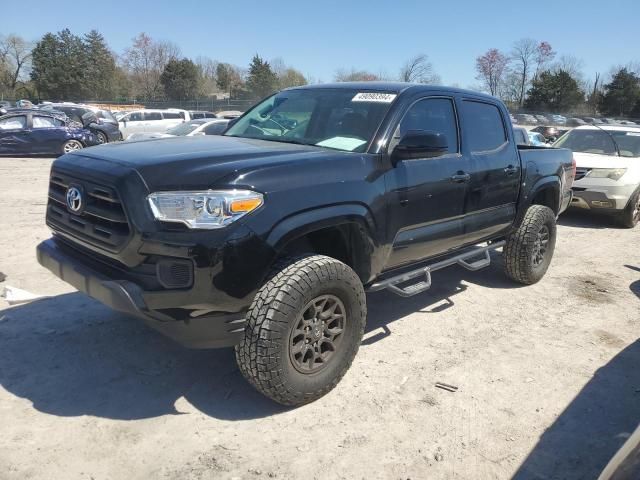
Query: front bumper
[[598, 197], [205, 331]]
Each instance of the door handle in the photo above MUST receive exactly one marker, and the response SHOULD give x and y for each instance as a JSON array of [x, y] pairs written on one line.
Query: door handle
[[510, 170], [460, 177]]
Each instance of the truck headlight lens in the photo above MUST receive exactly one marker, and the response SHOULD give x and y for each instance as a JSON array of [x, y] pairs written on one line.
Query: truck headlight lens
[[204, 210], [612, 173]]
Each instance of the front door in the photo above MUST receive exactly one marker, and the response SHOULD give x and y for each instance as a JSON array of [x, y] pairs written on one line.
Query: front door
[[13, 135], [426, 195], [494, 168]]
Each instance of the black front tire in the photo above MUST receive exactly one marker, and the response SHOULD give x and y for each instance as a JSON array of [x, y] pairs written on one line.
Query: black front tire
[[530, 248], [266, 354], [630, 216]]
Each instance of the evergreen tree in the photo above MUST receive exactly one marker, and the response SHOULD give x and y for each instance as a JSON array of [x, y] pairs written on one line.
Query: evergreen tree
[[100, 68], [622, 94], [555, 91], [180, 79], [261, 80]]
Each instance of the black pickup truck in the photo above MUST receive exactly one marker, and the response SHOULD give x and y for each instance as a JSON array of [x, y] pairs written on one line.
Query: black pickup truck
[[266, 238]]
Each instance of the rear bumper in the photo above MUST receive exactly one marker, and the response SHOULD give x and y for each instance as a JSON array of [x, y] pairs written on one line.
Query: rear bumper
[[207, 331]]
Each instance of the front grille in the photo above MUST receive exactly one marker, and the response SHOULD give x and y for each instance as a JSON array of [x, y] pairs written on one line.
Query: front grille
[[101, 222], [581, 173]]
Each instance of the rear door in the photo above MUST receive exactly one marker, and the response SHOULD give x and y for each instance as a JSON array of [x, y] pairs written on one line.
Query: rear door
[[495, 170], [426, 195], [171, 119], [153, 123], [47, 134]]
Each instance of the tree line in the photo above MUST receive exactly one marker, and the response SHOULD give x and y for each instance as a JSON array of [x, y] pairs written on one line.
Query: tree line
[[531, 77], [66, 66]]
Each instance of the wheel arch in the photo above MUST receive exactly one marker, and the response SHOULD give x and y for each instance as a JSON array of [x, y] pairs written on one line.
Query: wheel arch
[[344, 232]]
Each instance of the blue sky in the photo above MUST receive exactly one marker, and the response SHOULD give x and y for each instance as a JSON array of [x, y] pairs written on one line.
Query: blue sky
[[320, 37]]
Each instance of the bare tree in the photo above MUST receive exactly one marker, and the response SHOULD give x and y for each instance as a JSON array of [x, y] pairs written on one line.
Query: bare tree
[[570, 64], [146, 60], [15, 58], [523, 56], [491, 68], [354, 75], [544, 55], [419, 69]]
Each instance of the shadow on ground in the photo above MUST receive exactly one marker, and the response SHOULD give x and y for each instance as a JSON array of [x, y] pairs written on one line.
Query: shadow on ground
[[70, 356], [593, 427], [585, 219]]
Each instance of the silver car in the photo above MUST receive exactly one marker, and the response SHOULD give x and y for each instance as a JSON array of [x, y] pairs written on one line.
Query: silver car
[[607, 170]]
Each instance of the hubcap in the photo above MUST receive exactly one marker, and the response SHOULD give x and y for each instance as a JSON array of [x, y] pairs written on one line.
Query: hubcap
[[540, 245], [317, 334], [72, 146]]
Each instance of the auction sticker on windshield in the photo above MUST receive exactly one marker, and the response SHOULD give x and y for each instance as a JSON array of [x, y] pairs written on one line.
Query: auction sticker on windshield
[[374, 97]]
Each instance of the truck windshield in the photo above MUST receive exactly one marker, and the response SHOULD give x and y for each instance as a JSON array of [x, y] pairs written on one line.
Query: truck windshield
[[600, 143], [340, 119]]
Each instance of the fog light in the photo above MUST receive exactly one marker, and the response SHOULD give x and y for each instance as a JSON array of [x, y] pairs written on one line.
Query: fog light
[[598, 203]]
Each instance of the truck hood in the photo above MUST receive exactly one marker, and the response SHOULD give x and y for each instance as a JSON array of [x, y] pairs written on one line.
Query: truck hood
[[191, 162], [593, 160]]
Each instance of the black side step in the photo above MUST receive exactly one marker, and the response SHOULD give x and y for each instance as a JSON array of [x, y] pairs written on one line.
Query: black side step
[[425, 272]]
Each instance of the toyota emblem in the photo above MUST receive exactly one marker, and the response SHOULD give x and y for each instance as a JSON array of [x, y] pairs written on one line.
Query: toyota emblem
[[74, 199]]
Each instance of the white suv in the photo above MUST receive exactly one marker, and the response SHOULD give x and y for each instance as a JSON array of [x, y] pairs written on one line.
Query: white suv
[[151, 121], [607, 170]]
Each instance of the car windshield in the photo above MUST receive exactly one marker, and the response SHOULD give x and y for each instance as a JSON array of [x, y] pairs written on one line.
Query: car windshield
[[184, 128], [106, 115], [601, 143], [339, 118]]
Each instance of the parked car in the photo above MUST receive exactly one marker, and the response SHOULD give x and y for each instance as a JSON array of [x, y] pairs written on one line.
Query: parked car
[[537, 139], [526, 119], [608, 170], [559, 119], [105, 127], [513, 119], [575, 122], [593, 120], [229, 114], [151, 121], [193, 114], [33, 131], [626, 122], [192, 128], [541, 118], [549, 132], [266, 237]]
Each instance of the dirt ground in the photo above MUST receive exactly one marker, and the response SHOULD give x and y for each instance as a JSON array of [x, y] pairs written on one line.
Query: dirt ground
[[547, 375]]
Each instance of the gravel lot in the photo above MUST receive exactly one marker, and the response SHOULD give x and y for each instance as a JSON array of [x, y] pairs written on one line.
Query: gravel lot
[[548, 377]]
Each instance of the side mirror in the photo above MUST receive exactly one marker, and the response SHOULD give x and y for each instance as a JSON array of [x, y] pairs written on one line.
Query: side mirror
[[420, 144]]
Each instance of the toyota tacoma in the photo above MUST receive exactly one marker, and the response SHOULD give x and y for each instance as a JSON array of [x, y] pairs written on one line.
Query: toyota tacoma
[[266, 238]]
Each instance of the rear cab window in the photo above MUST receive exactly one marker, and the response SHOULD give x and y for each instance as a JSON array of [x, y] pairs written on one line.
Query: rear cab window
[[484, 126]]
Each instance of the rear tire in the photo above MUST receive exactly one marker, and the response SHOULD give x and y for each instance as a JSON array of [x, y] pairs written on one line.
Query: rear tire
[[102, 138], [529, 249], [630, 216], [71, 146], [304, 329]]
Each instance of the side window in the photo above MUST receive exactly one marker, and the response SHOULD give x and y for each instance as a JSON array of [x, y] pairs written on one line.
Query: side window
[[13, 123], [484, 128], [170, 115], [434, 115], [43, 122], [152, 116], [133, 117], [215, 128]]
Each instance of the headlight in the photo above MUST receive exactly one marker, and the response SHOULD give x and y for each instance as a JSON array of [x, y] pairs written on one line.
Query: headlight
[[207, 210], [612, 173]]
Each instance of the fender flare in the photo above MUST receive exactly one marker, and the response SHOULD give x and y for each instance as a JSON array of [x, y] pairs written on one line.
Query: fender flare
[[302, 223], [541, 184]]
